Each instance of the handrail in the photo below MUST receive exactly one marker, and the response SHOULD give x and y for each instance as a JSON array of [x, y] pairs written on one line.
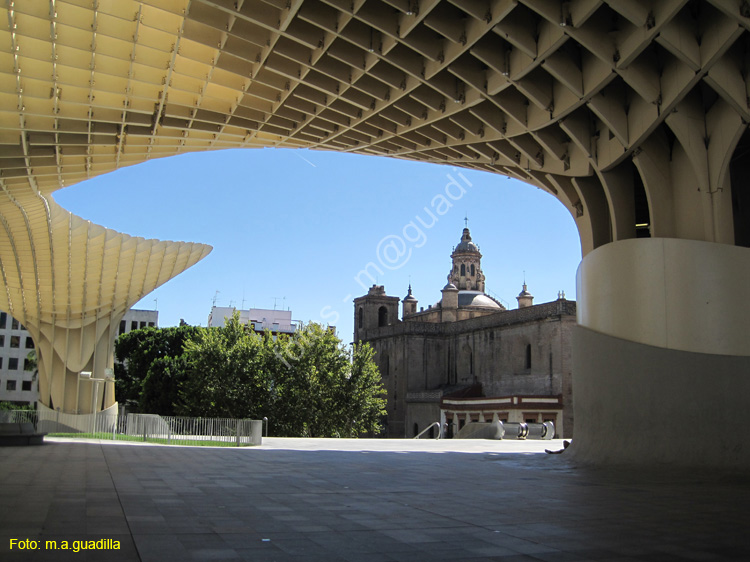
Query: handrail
[[426, 429]]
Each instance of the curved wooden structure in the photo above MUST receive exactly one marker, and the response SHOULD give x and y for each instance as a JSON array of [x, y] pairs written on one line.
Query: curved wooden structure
[[628, 112]]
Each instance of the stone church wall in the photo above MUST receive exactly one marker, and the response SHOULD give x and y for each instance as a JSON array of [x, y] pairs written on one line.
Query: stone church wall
[[492, 350]]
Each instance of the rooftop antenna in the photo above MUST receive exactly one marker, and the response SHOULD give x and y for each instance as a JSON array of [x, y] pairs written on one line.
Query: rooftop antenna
[[243, 299], [216, 296], [156, 304]]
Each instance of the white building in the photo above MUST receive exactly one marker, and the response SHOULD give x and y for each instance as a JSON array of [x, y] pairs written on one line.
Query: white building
[[277, 321], [17, 384], [137, 319]]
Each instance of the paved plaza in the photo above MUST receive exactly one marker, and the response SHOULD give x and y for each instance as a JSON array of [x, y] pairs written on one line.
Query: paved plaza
[[327, 500]]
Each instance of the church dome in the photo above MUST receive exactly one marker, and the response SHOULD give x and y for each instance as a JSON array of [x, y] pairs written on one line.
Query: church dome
[[466, 245], [524, 292], [410, 297], [477, 299]]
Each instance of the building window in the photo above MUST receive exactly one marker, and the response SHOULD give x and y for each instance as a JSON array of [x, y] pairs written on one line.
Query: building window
[[122, 327], [151, 325], [12, 363], [2, 341], [360, 317], [27, 365], [3, 319], [10, 385], [463, 270], [14, 324], [1, 362], [472, 269], [26, 386], [144, 324], [528, 356], [382, 316], [134, 325], [29, 343], [15, 341]]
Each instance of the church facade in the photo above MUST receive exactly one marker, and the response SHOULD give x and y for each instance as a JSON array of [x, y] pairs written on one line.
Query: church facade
[[468, 358]]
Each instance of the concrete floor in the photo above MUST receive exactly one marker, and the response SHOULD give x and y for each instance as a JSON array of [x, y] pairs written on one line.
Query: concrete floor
[[330, 500]]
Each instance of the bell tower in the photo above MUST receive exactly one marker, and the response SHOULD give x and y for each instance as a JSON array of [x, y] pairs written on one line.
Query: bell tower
[[467, 274], [374, 310]]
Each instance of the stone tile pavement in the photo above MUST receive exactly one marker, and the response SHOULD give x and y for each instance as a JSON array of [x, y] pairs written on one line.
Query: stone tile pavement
[[308, 500]]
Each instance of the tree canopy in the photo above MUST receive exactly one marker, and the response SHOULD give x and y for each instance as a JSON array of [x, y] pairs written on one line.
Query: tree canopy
[[307, 383]]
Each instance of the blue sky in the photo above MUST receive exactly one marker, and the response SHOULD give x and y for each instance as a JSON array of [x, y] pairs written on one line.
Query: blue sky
[[297, 229]]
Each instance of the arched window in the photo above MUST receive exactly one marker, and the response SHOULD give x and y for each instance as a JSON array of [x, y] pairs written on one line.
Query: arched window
[[360, 317], [382, 316], [472, 269], [463, 270], [528, 356]]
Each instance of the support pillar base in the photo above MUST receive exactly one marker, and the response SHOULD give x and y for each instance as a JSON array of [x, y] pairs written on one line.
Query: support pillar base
[[637, 404]]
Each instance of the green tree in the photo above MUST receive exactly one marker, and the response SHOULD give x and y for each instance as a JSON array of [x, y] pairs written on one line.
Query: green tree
[[308, 383], [160, 388], [366, 395], [225, 377], [30, 363], [138, 350], [324, 388]]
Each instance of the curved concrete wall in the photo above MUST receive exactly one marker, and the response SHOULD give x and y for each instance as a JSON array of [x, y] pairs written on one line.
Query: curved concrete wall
[[677, 294], [661, 356], [644, 405]]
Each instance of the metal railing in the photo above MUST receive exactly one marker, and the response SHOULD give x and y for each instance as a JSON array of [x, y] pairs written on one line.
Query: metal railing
[[187, 431], [428, 428], [168, 430]]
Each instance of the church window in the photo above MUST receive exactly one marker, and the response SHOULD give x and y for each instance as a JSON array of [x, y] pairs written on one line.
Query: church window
[[382, 316], [528, 356], [472, 269], [463, 269], [360, 317]]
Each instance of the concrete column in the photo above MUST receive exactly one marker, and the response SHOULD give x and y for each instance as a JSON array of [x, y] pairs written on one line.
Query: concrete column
[[661, 357]]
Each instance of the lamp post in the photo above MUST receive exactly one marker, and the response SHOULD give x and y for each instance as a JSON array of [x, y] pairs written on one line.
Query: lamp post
[[86, 375]]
